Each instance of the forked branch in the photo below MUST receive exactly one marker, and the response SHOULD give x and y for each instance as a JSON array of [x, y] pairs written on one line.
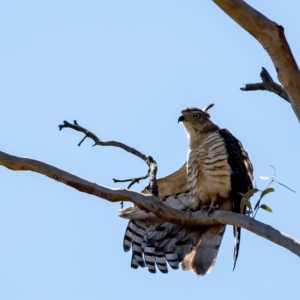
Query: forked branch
[[267, 84], [98, 142]]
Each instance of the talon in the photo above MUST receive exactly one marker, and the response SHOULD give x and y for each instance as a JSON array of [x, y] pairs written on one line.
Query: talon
[[211, 208]]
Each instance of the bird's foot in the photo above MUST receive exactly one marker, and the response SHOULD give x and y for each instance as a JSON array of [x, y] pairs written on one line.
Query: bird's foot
[[210, 208]]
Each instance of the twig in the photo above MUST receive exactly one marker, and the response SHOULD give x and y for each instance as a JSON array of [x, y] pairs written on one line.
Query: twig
[[99, 142], [147, 159], [131, 180], [152, 203], [267, 84]]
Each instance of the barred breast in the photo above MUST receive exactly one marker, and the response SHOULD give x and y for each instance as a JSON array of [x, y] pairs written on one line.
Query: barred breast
[[208, 171]]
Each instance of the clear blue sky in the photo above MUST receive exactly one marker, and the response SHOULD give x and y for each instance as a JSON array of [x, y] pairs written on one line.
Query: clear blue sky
[[125, 69]]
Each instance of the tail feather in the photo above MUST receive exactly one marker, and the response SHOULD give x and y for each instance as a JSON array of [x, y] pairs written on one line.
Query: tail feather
[[182, 250], [129, 234], [165, 236], [161, 262], [172, 258], [140, 243], [202, 258], [134, 263], [237, 241], [149, 255], [168, 242], [160, 232]]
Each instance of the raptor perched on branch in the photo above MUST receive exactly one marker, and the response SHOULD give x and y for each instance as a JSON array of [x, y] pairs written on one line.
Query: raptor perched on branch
[[217, 173]]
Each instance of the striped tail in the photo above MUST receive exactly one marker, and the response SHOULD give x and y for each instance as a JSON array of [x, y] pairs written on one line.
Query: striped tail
[[202, 257], [145, 254]]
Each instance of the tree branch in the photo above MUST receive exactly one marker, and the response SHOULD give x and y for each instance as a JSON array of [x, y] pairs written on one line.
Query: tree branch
[[131, 180], [147, 159], [151, 202], [267, 84], [272, 38]]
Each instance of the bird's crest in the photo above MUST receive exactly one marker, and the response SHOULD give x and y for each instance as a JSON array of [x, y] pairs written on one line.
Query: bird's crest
[[207, 109]]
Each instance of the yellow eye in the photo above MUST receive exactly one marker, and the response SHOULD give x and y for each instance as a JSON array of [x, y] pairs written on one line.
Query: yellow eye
[[197, 116]]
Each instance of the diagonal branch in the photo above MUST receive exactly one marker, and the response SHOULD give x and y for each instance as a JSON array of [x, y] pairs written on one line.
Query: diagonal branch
[[267, 84], [151, 202], [271, 36], [147, 159]]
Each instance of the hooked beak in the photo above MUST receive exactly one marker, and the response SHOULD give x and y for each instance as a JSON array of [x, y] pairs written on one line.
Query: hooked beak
[[181, 118]]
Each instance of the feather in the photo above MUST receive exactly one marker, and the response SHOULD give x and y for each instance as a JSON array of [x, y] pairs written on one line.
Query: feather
[[206, 253]]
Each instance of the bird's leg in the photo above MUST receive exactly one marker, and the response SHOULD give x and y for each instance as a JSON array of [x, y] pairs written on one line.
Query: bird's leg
[[211, 207]]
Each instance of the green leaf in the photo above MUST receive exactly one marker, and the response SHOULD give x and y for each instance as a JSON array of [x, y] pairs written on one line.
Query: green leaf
[[251, 192], [266, 191], [245, 203], [266, 207]]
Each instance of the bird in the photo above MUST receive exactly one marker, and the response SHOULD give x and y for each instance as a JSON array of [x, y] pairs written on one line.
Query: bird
[[216, 175]]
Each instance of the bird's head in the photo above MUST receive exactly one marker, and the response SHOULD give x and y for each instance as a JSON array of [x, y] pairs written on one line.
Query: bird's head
[[196, 120]]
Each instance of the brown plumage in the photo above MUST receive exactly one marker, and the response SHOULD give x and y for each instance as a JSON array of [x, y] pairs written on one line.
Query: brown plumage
[[217, 171]]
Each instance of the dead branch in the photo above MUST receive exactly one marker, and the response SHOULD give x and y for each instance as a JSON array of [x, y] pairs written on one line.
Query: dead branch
[[131, 180], [151, 202], [147, 159], [272, 38], [267, 84]]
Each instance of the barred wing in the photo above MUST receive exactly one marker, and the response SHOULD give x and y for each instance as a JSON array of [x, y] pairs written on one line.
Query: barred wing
[[157, 244]]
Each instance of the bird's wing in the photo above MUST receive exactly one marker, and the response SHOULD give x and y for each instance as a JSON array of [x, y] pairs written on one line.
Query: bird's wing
[[172, 184], [155, 243], [241, 179]]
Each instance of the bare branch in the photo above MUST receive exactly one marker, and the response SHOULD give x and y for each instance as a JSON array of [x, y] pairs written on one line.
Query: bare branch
[[147, 159], [151, 202], [153, 188], [272, 38], [267, 84], [131, 180], [99, 142]]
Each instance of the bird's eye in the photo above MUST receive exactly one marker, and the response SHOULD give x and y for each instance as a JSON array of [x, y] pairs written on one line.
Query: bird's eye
[[197, 116]]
